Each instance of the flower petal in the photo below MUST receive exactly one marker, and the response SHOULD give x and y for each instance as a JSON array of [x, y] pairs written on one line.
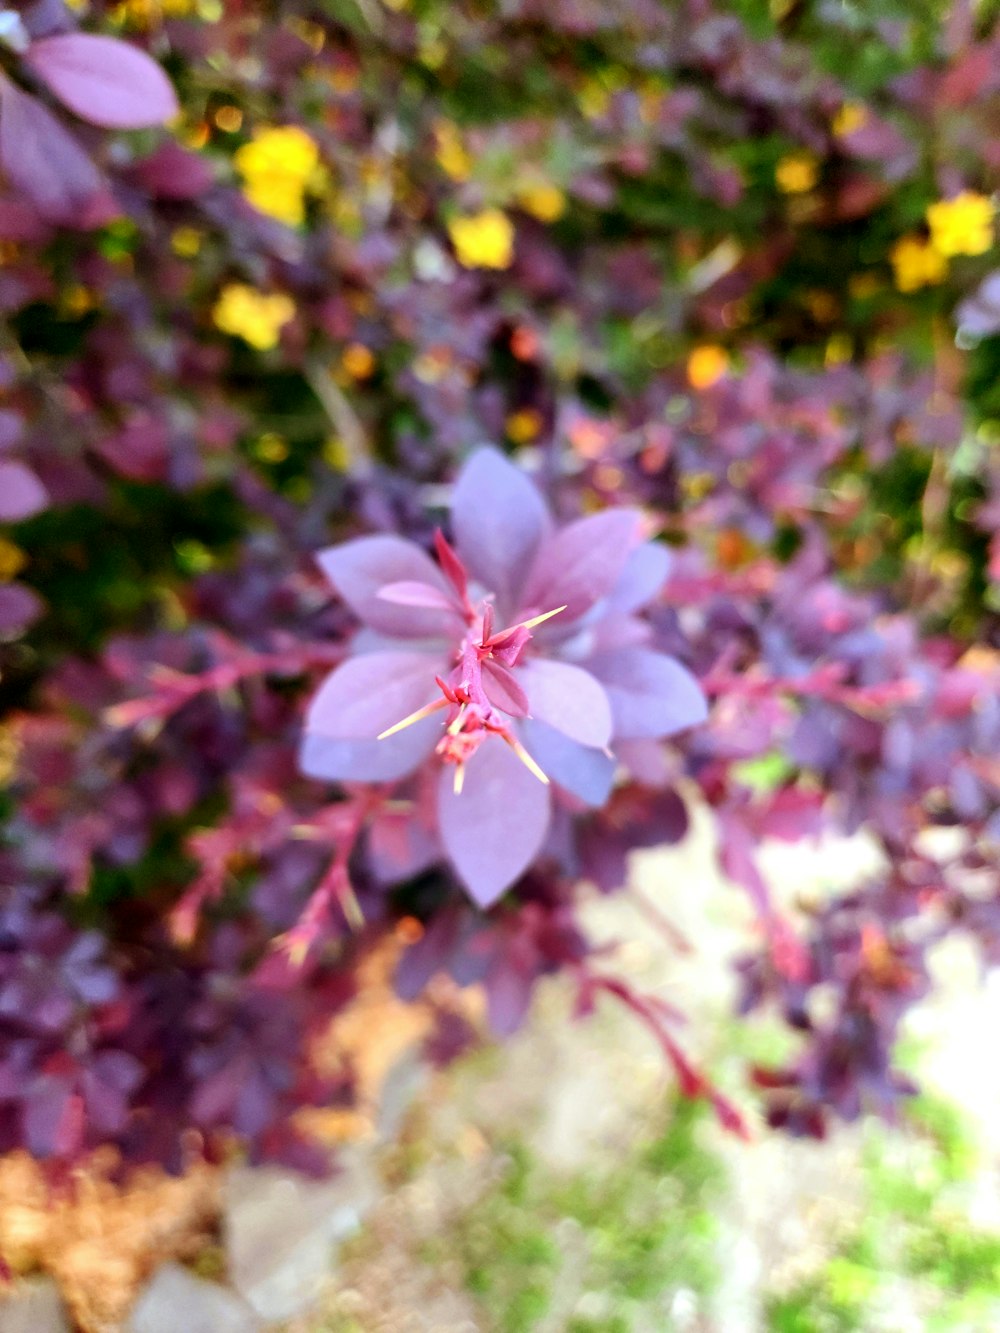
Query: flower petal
[[499, 520], [646, 571], [495, 827], [651, 694], [586, 773], [409, 592], [362, 698], [569, 699], [583, 562], [359, 569]]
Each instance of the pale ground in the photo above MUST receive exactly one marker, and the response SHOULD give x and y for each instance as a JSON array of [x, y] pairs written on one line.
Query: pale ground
[[578, 1092]]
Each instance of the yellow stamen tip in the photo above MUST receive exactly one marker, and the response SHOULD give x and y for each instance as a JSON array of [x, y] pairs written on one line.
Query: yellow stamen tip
[[537, 620], [527, 760], [418, 716]]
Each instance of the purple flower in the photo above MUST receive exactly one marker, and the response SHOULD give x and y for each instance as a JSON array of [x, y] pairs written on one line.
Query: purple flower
[[516, 666]]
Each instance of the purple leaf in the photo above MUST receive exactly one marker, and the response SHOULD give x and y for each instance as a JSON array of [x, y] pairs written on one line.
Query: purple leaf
[[360, 569], [19, 608], [583, 562], [495, 827], [585, 773], [508, 997], [361, 699], [104, 81], [499, 520], [53, 1122], [569, 699], [400, 846], [21, 493], [43, 161], [651, 695], [503, 690]]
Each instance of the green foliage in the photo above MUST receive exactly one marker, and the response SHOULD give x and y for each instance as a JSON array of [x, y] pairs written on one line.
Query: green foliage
[[914, 1238], [624, 1239]]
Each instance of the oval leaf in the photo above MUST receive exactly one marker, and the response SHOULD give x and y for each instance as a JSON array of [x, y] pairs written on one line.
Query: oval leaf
[[104, 81], [651, 695], [569, 699], [494, 828], [361, 568]]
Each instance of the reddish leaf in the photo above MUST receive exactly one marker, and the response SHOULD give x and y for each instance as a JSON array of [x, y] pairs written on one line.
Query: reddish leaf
[[173, 172], [104, 81]]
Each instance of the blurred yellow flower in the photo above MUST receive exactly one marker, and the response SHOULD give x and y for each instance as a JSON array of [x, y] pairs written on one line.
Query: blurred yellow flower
[[256, 317], [524, 425], [277, 165], [916, 263], [358, 361], [851, 116], [12, 560], [707, 365], [451, 154], [186, 242], [542, 200], [963, 225], [483, 240], [797, 173]]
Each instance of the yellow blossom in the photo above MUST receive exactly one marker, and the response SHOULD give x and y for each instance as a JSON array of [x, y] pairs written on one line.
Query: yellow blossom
[[12, 560], [797, 173], [358, 361], [277, 165], [707, 365], [542, 200], [186, 242], [524, 425], [916, 263], [450, 153], [851, 116], [483, 240], [256, 317], [963, 225]]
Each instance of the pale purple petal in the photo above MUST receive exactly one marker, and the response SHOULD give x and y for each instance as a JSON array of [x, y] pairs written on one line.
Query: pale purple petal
[[396, 757], [503, 689], [21, 493], [645, 573], [366, 695], [586, 773], [499, 520], [582, 563], [411, 593], [358, 569], [103, 80], [362, 698], [651, 695], [569, 699], [494, 828]]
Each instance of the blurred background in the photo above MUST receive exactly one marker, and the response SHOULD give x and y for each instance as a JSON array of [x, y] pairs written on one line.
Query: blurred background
[[721, 1059]]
